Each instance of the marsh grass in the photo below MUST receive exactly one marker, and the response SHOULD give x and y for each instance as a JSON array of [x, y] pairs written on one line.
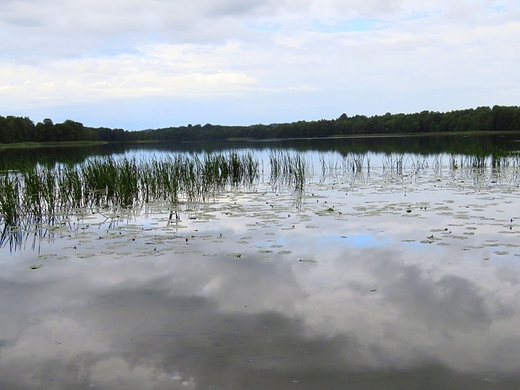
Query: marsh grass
[[9, 198], [47, 194], [393, 163], [38, 193], [288, 168]]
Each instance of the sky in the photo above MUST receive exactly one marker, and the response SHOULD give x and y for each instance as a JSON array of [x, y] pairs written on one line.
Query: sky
[[140, 64]]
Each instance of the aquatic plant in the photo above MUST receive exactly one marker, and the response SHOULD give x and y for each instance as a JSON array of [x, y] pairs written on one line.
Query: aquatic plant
[[46, 194], [288, 168], [9, 198], [37, 193], [393, 163]]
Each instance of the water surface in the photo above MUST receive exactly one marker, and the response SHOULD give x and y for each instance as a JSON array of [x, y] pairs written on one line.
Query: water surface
[[382, 278]]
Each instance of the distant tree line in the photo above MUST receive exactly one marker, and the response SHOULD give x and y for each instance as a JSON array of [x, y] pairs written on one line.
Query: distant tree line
[[499, 118]]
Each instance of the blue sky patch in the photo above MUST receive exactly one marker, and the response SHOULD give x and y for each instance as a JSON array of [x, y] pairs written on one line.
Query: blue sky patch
[[351, 25], [416, 16]]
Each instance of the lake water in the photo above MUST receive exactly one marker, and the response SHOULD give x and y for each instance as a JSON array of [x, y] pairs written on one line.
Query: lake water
[[402, 272]]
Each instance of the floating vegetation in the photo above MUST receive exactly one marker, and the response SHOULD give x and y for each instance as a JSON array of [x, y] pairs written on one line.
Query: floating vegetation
[[501, 253], [42, 201]]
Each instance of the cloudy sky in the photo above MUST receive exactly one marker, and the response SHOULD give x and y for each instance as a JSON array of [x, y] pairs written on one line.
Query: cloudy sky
[[139, 64]]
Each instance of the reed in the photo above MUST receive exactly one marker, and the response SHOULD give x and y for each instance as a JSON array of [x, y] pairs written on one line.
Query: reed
[[393, 163], [10, 199], [37, 193], [69, 186], [288, 169]]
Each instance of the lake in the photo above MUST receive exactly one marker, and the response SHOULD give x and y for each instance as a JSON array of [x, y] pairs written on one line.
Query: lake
[[396, 265]]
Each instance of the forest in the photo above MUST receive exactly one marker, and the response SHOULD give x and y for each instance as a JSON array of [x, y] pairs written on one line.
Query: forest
[[15, 129]]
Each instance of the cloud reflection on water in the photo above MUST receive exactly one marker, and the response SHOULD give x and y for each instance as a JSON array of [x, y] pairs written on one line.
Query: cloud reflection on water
[[390, 298], [252, 321]]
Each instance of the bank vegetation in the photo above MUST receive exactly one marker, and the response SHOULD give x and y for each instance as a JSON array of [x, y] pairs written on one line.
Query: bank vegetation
[[15, 130]]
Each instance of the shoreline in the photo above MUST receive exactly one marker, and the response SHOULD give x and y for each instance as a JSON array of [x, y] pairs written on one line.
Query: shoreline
[[27, 145]]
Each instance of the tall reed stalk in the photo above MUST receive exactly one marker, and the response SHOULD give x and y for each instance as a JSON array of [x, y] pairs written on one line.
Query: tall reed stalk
[[36, 193], [290, 169]]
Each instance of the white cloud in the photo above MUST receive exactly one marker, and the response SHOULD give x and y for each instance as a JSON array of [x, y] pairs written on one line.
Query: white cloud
[[73, 53], [153, 71]]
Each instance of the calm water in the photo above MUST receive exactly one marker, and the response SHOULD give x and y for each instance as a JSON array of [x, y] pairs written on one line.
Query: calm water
[[392, 277]]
